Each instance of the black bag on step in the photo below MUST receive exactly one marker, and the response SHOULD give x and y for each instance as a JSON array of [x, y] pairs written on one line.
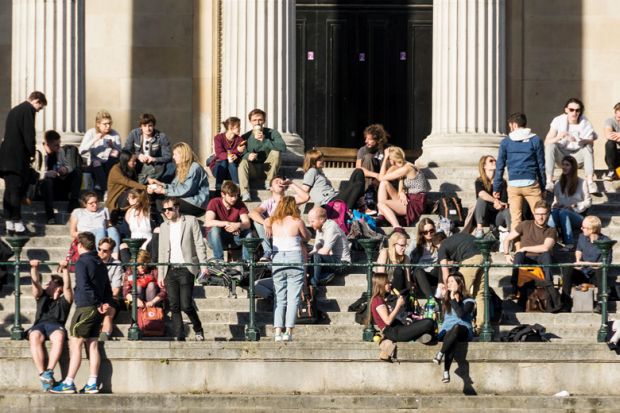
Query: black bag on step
[[526, 333], [449, 206], [307, 311]]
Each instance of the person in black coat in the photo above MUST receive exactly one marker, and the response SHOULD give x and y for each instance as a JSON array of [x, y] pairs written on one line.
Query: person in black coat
[[16, 153]]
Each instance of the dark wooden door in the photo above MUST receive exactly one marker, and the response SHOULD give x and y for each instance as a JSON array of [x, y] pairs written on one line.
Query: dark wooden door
[[363, 62]]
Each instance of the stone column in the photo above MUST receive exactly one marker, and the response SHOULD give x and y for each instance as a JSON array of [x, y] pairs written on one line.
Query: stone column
[[258, 66], [48, 55], [469, 88]]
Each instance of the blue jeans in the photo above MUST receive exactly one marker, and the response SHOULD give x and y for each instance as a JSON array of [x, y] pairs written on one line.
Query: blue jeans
[[111, 232], [218, 239], [287, 283], [567, 220], [320, 272], [224, 169], [260, 230]]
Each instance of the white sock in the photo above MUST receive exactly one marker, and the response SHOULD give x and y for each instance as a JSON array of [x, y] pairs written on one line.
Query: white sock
[[68, 381], [615, 338], [10, 226], [92, 380], [19, 226]]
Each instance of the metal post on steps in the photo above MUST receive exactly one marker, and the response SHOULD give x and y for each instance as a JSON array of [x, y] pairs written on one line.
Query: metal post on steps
[[134, 245], [251, 331], [370, 247], [605, 247], [17, 244], [485, 245]]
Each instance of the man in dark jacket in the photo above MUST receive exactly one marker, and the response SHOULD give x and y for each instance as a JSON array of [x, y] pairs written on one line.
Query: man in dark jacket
[[153, 150], [522, 152], [262, 157], [93, 295], [16, 154]]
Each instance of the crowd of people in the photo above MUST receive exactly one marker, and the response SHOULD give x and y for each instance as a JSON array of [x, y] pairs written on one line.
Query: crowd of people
[[159, 192]]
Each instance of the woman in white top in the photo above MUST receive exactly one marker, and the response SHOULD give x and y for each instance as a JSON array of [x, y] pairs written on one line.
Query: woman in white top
[[138, 216], [571, 200], [571, 133], [288, 231], [100, 149], [91, 218]]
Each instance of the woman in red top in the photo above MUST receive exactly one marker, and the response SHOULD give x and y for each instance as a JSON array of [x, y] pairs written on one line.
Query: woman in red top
[[149, 293], [229, 148], [388, 320]]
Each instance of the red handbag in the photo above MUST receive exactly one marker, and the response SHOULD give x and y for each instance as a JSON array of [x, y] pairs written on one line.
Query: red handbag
[[151, 321]]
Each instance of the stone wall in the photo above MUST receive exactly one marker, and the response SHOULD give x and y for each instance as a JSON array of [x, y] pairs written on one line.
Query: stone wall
[[559, 49], [5, 61]]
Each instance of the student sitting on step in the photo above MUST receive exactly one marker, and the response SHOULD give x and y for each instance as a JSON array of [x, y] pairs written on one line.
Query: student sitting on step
[[91, 218], [54, 301], [115, 274], [122, 178], [408, 198], [571, 200], [488, 209], [537, 241], [587, 258], [149, 292], [100, 149], [426, 252], [457, 327], [400, 277], [330, 246], [369, 159], [388, 319]]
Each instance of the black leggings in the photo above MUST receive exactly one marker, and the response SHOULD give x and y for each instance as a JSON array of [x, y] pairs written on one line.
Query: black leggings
[[354, 190], [422, 279], [402, 333], [457, 334]]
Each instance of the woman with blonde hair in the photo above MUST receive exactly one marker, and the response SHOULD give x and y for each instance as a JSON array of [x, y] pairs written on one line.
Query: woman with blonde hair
[[100, 149], [395, 254], [289, 232], [488, 209], [408, 199], [190, 183]]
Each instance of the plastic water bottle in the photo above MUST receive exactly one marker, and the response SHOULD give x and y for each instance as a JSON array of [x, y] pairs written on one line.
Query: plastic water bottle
[[430, 308]]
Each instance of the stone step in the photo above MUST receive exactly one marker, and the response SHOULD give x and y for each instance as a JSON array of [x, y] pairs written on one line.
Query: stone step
[[328, 366], [423, 403]]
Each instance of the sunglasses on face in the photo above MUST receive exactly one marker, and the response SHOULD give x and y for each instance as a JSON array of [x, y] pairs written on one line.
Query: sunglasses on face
[[169, 209], [102, 250], [430, 231], [574, 110]]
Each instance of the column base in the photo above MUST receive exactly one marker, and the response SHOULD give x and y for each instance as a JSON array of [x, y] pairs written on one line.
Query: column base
[[457, 149], [295, 150]]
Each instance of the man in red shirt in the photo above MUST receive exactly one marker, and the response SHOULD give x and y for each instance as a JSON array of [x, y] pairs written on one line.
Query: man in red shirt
[[227, 221]]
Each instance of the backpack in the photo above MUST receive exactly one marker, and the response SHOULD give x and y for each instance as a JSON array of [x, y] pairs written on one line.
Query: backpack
[[446, 226], [307, 311], [496, 309], [151, 321], [338, 212], [360, 229], [526, 333], [360, 308], [543, 300], [219, 275], [450, 207], [72, 154]]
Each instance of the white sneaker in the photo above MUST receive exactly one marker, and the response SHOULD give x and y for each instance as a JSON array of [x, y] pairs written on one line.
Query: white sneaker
[[479, 233], [245, 197], [278, 337], [287, 337], [592, 188]]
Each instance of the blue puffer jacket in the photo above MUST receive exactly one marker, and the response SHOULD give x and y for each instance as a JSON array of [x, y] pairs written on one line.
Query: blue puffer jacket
[[523, 153]]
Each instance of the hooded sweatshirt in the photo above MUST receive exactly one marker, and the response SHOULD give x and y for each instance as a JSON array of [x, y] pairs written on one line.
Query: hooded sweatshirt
[[522, 152]]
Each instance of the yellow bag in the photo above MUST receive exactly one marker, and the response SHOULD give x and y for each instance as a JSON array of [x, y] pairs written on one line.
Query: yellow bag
[[527, 274]]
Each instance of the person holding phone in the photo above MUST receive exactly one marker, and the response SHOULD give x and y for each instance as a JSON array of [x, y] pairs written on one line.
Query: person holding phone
[[100, 149]]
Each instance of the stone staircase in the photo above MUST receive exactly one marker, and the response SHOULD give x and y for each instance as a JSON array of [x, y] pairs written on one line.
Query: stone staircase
[[321, 353]]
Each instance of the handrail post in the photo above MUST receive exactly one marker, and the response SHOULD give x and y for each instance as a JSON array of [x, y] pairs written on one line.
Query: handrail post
[[370, 247], [485, 245], [251, 331], [605, 247], [17, 243], [134, 245]]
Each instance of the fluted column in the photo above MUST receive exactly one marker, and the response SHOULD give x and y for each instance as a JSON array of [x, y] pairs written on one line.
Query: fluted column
[[48, 55], [469, 87], [258, 65]]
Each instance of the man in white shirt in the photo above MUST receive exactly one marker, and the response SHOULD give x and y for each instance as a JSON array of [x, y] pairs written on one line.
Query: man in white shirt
[[115, 274], [180, 241], [331, 246]]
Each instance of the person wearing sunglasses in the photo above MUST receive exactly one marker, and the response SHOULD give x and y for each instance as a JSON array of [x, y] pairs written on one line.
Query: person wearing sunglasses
[[571, 133], [115, 274], [426, 252], [488, 209]]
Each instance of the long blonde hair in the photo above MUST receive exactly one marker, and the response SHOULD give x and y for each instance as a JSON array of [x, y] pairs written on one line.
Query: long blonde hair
[[187, 158], [397, 155], [394, 238]]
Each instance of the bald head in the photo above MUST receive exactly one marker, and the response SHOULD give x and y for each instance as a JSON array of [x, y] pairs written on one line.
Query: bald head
[[317, 217]]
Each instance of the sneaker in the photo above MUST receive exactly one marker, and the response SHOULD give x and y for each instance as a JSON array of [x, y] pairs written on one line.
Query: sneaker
[[592, 188], [104, 336], [438, 358], [62, 388], [479, 233], [425, 338], [264, 259], [278, 337], [47, 380], [199, 336], [446, 377], [202, 278], [267, 186], [287, 337], [245, 197], [327, 278], [90, 389], [610, 176], [52, 221], [567, 248]]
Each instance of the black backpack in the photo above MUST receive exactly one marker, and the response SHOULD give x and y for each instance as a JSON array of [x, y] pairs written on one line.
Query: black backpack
[[72, 154], [220, 275], [449, 206], [307, 311], [526, 333]]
